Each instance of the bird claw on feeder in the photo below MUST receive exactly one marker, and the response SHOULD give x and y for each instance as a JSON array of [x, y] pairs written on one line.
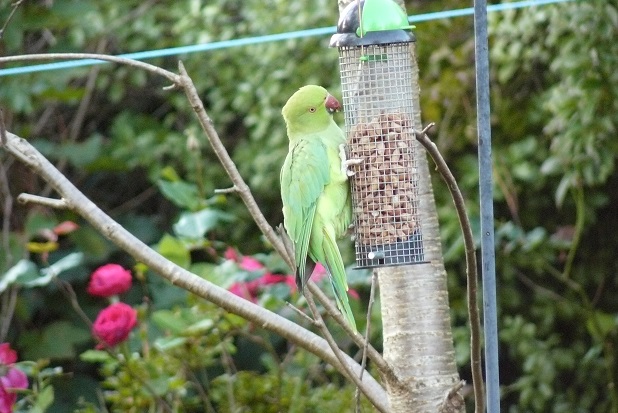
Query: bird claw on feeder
[[345, 162]]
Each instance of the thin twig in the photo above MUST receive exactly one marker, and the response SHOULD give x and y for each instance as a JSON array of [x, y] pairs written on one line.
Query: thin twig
[[580, 222], [42, 200], [8, 19], [199, 388], [453, 400], [381, 364], [137, 200], [9, 300], [2, 128], [84, 103], [230, 190], [69, 293], [331, 342], [242, 189], [173, 77], [471, 270], [8, 309], [300, 313], [374, 280], [230, 370], [7, 211]]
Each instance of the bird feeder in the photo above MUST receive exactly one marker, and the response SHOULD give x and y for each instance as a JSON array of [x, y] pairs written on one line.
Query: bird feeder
[[374, 41]]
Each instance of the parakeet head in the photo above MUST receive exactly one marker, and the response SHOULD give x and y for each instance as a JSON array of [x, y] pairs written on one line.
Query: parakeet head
[[309, 109]]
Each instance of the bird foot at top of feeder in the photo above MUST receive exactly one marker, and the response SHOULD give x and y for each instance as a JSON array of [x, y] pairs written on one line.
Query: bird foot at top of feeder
[[345, 162]]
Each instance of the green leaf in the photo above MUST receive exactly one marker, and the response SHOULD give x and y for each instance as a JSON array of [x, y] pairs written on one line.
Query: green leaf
[[43, 400], [78, 154], [182, 194], [20, 273], [194, 225], [57, 340], [70, 261], [601, 324], [174, 250], [563, 188], [91, 243], [167, 343], [169, 320], [201, 327], [82, 153], [95, 356], [169, 174], [37, 221]]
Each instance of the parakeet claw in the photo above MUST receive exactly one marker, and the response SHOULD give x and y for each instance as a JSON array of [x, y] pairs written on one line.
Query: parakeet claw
[[345, 162]]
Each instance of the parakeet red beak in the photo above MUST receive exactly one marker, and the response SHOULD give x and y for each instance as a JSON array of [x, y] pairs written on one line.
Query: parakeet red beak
[[332, 104]]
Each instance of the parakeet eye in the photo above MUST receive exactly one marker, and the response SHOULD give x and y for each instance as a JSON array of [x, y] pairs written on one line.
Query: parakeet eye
[[312, 109]]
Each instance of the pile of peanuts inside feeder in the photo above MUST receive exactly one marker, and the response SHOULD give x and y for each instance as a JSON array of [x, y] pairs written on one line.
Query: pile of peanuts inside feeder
[[384, 191]]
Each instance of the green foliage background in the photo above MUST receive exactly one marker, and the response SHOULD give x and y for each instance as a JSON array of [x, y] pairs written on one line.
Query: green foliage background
[[139, 154]]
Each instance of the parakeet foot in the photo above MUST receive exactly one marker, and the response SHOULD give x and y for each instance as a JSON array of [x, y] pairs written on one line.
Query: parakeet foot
[[345, 162]]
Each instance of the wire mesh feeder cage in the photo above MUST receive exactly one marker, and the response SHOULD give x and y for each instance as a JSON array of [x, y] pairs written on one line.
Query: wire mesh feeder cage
[[376, 81]]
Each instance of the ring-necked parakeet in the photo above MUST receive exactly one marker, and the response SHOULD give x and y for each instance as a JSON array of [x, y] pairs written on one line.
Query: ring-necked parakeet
[[314, 188]]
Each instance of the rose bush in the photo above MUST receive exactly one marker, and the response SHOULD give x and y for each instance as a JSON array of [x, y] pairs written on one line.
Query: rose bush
[[114, 323], [249, 290], [109, 280], [12, 378]]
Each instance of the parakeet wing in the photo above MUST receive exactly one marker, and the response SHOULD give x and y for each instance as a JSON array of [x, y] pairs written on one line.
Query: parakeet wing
[[303, 177]]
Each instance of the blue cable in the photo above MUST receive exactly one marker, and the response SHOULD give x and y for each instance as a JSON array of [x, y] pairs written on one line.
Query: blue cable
[[225, 44]]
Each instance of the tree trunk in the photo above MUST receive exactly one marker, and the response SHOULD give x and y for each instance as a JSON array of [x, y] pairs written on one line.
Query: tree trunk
[[418, 342], [415, 313]]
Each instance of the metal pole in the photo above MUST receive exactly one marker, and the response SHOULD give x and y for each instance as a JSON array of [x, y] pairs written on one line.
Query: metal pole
[[488, 254]]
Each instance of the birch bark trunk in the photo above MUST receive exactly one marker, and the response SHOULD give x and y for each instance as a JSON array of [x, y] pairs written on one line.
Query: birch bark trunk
[[418, 342]]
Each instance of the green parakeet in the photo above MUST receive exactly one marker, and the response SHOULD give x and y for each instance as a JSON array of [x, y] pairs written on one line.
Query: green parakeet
[[315, 191]]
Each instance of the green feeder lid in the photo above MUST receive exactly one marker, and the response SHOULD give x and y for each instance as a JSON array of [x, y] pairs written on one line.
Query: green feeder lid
[[372, 22]]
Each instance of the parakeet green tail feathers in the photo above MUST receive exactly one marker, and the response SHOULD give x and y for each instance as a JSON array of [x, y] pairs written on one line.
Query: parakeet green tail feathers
[[336, 269], [303, 270]]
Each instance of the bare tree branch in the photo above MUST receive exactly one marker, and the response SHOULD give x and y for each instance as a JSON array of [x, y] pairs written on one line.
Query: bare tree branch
[[373, 355], [239, 186], [365, 348], [471, 270], [186, 83], [42, 200], [319, 321], [2, 128], [173, 77], [79, 203], [278, 243]]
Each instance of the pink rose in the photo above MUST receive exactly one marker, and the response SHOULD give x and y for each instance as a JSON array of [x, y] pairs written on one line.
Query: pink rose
[[114, 323], [250, 264], [249, 290], [268, 279], [244, 262], [241, 289], [108, 280], [7, 354], [13, 378], [230, 254]]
